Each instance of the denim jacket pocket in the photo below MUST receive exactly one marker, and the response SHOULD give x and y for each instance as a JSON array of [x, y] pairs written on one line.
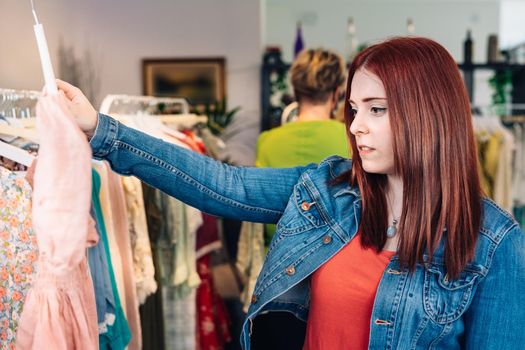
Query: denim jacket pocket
[[302, 213], [445, 300]]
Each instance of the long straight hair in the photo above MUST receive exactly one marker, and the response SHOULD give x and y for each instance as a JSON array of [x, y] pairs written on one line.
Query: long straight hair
[[434, 153]]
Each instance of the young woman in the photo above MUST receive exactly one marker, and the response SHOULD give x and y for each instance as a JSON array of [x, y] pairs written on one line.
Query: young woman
[[394, 249]]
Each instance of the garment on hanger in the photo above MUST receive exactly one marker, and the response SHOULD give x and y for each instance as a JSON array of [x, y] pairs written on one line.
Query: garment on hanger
[[180, 315], [495, 152], [518, 181], [175, 249], [115, 334], [250, 258], [109, 221], [100, 273], [60, 309], [519, 165], [120, 216], [213, 323], [18, 252], [503, 185], [208, 236], [151, 312], [143, 267]]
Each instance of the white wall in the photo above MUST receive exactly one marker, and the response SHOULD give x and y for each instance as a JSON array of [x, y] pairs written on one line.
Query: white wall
[[512, 30], [122, 32], [324, 24]]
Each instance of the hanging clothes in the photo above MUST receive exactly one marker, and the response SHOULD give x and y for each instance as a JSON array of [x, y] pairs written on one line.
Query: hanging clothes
[[177, 262], [100, 273], [109, 221], [151, 312], [114, 334], [518, 181], [503, 182], [496, 149], [212, 319], [18, 252], [250, 258], [143, 267], [212, 322], [174, 226], [60, 309], [120, 219]]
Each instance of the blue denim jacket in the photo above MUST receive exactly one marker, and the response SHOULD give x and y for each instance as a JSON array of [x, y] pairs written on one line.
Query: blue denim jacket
[[483, 309]]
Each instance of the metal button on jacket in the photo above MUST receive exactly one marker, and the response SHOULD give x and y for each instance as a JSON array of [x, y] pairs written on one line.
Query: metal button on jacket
[[306, 206], [327, 239], [290, 270], [254, 299]]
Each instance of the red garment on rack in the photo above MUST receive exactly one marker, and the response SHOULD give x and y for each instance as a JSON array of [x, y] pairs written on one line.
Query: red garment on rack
[[189, 138], [194, 140], [208, 236], [212, 318]]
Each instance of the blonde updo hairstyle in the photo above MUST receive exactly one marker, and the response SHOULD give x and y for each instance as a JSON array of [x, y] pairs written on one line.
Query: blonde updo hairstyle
[[315, 75]]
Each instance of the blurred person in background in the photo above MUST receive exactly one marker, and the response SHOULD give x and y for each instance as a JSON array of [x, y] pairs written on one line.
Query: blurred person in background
[[317, 76]]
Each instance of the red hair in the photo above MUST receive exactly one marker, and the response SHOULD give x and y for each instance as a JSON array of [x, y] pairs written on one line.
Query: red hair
[[434, 153]]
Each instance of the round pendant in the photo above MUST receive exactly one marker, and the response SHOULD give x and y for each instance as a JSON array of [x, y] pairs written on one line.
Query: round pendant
[[391, 231]]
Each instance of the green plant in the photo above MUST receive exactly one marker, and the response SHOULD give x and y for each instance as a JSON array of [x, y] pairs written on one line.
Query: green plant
[[501, 84], [218, 116]]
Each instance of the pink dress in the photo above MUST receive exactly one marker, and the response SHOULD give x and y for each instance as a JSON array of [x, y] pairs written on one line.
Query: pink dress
[[59, 311]]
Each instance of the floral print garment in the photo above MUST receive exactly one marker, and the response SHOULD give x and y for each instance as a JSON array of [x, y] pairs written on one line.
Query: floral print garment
[[18, 252]]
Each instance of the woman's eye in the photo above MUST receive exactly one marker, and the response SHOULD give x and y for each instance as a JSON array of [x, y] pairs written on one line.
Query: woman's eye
[[353, 111], [378, 110]]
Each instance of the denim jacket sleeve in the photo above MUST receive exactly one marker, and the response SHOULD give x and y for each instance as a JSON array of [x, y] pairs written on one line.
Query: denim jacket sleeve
[[243, 193], [496, 318]]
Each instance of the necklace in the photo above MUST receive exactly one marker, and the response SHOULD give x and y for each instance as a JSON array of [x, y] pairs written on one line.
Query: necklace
[[392, 229]]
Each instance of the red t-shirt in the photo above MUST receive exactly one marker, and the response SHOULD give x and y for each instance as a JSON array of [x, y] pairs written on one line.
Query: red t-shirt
[[342, 297]]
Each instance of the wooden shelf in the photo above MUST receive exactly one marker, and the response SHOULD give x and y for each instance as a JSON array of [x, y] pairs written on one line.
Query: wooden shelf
[[491, 66]]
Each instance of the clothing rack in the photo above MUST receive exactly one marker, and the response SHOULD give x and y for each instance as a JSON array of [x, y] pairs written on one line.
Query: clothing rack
[[169, 110], [18, 106], [17, 116], [505, 111], [126, 104], [513, 119]]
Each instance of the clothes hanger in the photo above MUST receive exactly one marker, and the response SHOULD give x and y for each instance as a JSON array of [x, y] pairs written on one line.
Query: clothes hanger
[[182, 120], [16, 154], [15, 108], [135, 110], [28, 134]]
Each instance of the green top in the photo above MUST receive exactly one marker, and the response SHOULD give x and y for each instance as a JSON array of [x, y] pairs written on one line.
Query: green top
[[300, 143]]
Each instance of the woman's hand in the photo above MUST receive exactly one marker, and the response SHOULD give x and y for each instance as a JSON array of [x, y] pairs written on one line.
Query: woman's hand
[[85, 115]]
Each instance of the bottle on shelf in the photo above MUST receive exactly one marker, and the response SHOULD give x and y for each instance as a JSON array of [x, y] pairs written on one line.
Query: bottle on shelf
[[468, 48], [493, 54], [299, 43], [351, 42], [411, 28]]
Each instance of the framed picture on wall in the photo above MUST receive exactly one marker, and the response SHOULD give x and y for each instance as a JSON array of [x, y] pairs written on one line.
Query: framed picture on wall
[[200, 80]]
